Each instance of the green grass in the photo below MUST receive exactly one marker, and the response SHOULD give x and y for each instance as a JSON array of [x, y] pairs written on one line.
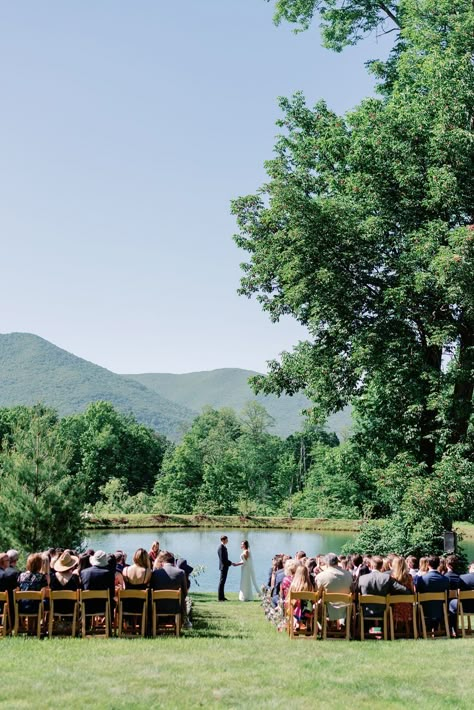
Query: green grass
[[466, 529], [139, 520], [234, 658]]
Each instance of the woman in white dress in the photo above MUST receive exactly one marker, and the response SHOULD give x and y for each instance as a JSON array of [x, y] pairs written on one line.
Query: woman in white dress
[[247, 574]]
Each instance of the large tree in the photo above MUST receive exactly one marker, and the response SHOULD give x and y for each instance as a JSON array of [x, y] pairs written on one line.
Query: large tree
[[362, 233]]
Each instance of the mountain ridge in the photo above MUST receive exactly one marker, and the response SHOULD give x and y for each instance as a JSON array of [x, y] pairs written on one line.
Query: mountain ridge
[[33, 370]]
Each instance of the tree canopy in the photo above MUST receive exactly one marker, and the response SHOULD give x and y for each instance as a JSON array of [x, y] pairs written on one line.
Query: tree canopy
[[363, 233]]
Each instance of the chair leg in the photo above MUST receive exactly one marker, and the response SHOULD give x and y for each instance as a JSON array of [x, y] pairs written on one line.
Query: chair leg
[[74, 620], [51, 621], [392, 625], [120, 620], [83, 620], [446, 622], [361, 622], [153, 625], [177, 621], [324, 632]]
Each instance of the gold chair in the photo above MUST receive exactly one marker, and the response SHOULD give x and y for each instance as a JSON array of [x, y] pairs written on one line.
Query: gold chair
[[463, 597], [345, 601], [305, 627], [135, 620], [98, 612], [25, 618], [382, 615], [171, 620], [58, 603], [402, 599], [429, 597], [4, 614]]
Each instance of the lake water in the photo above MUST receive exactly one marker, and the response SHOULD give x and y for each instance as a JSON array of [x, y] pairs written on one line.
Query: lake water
[[199, 547]]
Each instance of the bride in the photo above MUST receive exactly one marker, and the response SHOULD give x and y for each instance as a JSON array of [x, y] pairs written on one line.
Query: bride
[[247, 574]]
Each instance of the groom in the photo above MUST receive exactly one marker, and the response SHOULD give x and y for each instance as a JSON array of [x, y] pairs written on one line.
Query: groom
[[224, 564]]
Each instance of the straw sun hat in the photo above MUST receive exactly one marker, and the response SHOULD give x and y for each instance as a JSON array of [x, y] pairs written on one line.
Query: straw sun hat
[[65, 562]]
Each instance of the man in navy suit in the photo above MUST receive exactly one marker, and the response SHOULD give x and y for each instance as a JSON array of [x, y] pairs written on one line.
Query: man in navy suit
[[224, 564], [466, 584], [432, 582]]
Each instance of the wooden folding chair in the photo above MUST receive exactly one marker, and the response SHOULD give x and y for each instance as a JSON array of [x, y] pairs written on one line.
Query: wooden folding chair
[[135, 620], [98, 612], [25, 619], [462, 598], [402, 599], [346, 605], [441, 598], [4, 614], [382, 616], [171, 621], [59, 618], [305, 627]]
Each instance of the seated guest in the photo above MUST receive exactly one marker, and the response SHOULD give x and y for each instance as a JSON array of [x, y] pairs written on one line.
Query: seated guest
[[4, 564], [302, 582], [63, 579], [154, 550], [137, 576], [187, 569], [334, 580], [423, 569], [466, 584], [277, 578], [98, 577], [121, 559], [32, 580], [402, 613], [412, 564], [166, 576], [452, 571], [9, 580], [290, 568], [431, 582], [378, 583]]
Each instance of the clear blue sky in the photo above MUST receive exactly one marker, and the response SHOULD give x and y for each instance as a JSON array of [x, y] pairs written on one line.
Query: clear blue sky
[[125, 130]]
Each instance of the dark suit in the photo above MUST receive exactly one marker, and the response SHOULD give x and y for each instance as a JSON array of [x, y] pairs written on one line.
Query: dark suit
[[224, 564], [96, 579], [466, 584], [432, 582], [279, 577], [454, 579], [9, 582], [381, 584], [170, 577]]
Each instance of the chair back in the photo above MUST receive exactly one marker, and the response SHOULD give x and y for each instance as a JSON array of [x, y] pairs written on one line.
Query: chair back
[[171, 618], [4, 614], [373, 607], [307, 625], [137, 611], [34, 612], [63, 604], [95, 603], [344, 603], [411, 599], [433, 605], [465, 609]]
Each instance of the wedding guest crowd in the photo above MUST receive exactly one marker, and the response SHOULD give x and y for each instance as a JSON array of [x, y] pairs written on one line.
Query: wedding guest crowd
[[371, 574], [65, 570]]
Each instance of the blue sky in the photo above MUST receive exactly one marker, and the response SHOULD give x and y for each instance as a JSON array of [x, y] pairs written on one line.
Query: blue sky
[[125, 130]]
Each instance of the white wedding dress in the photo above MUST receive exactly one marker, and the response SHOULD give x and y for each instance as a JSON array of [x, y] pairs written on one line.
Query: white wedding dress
[[247, 579]]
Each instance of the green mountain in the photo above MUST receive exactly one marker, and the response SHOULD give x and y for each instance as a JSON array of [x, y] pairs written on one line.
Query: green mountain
[[228, 387], [33, 370]]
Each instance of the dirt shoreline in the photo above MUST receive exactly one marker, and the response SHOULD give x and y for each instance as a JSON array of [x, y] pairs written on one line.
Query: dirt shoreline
[[136, 520]]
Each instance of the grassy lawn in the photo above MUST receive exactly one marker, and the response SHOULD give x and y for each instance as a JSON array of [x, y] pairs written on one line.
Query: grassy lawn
[[234, 658]]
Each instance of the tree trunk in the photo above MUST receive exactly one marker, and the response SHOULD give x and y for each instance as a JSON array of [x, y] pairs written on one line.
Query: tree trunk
[[428, 423], [461, 406]]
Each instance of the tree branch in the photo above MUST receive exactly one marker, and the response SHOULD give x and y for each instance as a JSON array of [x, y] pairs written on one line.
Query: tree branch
[[390, 14]]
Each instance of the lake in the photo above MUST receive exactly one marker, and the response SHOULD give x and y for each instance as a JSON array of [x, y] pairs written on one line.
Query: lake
[[199, 547]]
